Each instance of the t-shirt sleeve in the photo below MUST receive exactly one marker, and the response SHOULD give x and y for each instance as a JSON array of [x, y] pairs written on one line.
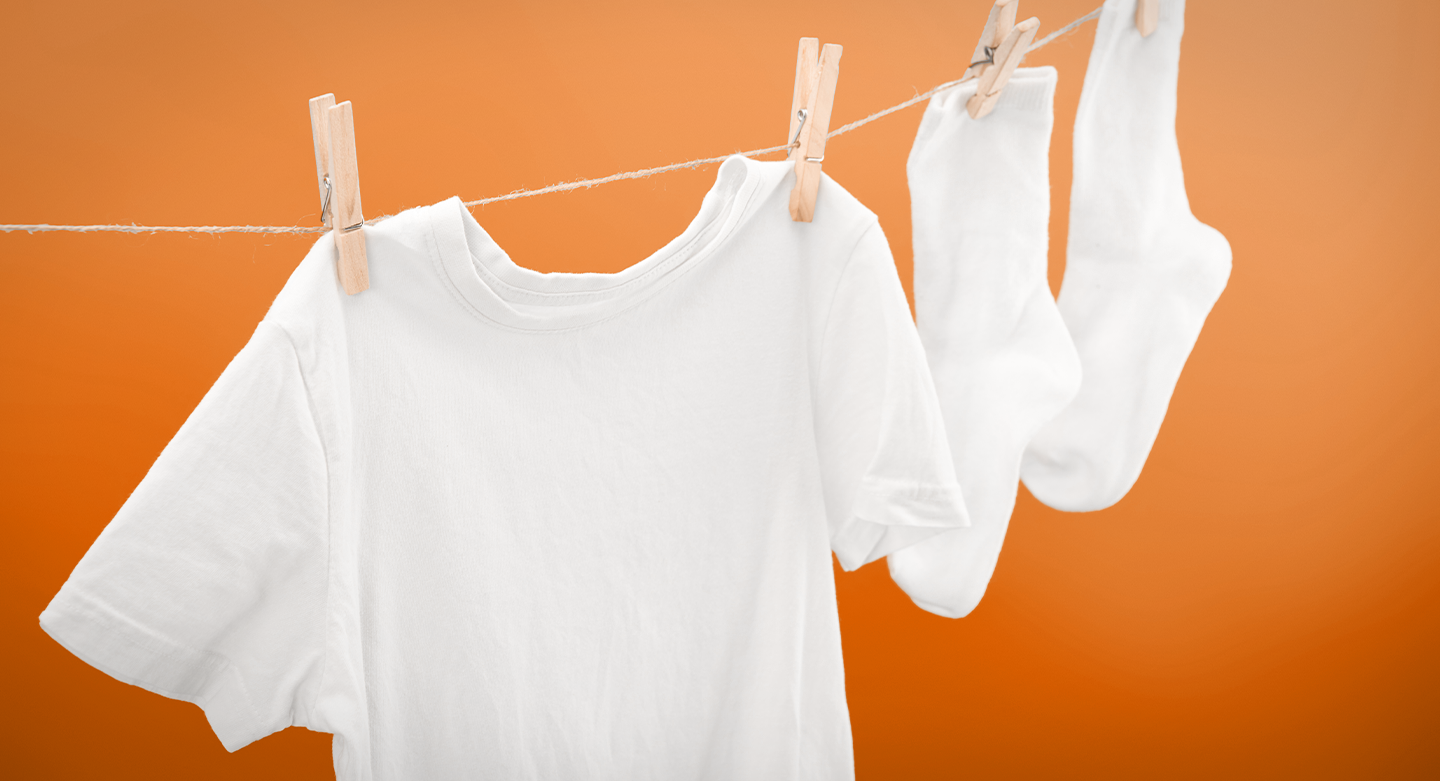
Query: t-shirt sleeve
[[885, 462], [209, 585]]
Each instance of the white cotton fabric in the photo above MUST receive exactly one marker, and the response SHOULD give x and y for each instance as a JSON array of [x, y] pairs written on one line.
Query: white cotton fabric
[[1141, 273], [1002, 360], [481, 522]]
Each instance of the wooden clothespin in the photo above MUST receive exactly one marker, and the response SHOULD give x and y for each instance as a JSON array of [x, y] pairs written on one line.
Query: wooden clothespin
[[815, 78], [999, 25], [1002, 46], [333, 129], [1147, 15]]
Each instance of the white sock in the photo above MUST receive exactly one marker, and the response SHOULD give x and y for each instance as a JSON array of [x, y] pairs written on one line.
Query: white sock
[[1141, 272], [1002, 361]]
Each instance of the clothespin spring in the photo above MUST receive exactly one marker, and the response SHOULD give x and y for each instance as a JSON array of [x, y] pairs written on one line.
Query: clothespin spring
[[325, 210], [802, 114], [325, 204]]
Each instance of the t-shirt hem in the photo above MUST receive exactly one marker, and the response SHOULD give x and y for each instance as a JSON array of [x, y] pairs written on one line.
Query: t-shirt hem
[[888, 517], [109, 642]]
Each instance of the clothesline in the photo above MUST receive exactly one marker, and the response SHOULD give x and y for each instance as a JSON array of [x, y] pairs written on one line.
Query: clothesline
[[554, 188]]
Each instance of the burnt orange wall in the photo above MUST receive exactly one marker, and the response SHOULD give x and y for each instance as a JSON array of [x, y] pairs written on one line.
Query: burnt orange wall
[[1266, 601]]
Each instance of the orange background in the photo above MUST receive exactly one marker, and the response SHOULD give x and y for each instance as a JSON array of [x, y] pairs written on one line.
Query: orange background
[[1265, 602]]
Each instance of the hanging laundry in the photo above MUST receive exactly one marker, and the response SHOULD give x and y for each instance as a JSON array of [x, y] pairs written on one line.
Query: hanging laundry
[[1002, 360], [482, 522], [1141, 271]]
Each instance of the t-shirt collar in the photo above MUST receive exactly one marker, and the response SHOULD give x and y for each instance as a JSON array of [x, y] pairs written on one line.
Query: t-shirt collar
[[504, 293]]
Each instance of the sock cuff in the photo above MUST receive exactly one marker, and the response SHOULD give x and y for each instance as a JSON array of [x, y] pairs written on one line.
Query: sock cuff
[[1030, 89], [1170, 11]]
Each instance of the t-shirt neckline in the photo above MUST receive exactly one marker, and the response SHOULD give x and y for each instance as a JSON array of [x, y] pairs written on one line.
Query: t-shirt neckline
[[500, 291]]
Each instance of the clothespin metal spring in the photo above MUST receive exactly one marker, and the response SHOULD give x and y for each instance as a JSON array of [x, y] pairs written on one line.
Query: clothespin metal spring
[[802, 114]]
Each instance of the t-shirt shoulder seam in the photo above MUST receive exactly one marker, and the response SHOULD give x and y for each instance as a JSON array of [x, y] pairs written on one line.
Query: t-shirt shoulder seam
[[305, 382], [869, 224]]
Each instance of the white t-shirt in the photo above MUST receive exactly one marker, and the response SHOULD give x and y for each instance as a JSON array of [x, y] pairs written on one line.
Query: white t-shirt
[[482, 522]]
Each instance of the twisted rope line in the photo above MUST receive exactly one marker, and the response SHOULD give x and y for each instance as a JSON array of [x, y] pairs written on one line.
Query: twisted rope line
[[517, 194]]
